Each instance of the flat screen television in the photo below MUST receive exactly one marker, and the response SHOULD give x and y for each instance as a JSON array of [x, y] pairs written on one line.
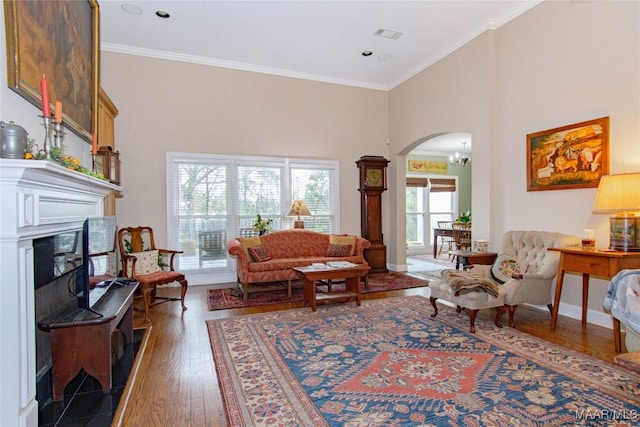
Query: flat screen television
[[68, 254]]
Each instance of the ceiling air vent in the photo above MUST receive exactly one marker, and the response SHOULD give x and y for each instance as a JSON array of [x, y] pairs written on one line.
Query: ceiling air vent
[[388, 34]]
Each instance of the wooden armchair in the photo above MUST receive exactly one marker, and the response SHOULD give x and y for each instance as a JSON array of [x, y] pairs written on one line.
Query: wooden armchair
[[140, 261]]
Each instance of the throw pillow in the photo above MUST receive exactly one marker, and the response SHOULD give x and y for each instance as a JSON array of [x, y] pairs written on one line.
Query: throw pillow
[[146, 262], [259, 253], [338, 250], [249, 242], [344, 240], [504, 266]]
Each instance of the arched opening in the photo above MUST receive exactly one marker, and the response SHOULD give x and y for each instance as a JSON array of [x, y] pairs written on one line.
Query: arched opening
[[437, 189]]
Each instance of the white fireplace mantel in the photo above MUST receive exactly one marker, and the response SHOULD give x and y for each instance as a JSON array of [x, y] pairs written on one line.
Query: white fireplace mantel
[[39, 198]]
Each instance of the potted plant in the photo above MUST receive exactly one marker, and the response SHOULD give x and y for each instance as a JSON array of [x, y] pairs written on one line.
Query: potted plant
[[464, 217], [262, 225]]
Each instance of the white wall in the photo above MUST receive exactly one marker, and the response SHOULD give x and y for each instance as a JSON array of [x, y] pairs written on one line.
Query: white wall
[[557, 64]]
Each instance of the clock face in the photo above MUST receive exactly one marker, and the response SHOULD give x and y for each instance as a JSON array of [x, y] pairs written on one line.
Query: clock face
[[374, 177]]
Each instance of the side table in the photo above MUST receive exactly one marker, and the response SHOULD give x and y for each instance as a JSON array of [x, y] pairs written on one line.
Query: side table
[[469, 257], [599, 262]]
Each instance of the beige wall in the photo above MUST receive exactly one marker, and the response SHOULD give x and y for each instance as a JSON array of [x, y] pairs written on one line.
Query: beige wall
[[171, 106], [557, 64]]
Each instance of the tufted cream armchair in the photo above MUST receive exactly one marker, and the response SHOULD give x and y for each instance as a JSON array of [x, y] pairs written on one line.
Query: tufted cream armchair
[[540, 267]]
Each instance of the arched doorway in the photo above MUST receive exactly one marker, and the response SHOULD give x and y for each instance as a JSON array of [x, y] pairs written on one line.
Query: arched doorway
[[437, 188]]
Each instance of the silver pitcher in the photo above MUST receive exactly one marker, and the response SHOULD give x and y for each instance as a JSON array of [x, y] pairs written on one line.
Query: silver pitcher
[[13, 140]]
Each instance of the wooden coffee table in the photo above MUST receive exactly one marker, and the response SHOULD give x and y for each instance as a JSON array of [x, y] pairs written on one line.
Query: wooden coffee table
[[351, 276], [470, 257]]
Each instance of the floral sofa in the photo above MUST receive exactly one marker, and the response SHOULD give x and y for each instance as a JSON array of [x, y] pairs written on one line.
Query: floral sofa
[[273, 256]]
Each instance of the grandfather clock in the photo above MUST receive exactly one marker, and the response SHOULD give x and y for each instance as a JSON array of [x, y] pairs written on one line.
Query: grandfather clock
[[373, 181]]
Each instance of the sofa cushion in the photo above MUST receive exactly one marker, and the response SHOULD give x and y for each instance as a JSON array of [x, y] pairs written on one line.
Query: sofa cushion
[[505, 266], [335, 239], [249, 242], [339, 250], [259, 253]]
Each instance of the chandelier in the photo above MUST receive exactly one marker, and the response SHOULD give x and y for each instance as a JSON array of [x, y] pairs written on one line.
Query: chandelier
[[460, 159]]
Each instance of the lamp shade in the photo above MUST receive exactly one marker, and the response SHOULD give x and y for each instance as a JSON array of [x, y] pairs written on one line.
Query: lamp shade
[[618, 193], [298, 209]]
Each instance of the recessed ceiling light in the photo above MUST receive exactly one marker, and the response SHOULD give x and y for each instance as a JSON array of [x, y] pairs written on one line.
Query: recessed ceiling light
[[388, 34], [367, 53], [131, 9], [162, 14], [385, 57]]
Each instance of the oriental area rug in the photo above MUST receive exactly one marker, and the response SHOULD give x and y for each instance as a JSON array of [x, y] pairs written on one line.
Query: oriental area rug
[[388, 363], [221, 299]]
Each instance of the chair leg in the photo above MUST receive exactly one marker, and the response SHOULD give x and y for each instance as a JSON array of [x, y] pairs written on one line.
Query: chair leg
[[472, 319], [499, 314], [183, 293], [435, 307], [289, 288], [146, 298], [512, 312]]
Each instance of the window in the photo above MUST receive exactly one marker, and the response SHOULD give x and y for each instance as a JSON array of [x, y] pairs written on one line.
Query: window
[[215, 198], [428, 200]]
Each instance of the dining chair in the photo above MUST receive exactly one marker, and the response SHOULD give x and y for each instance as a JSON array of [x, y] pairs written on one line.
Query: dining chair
[[462, 236], [446, 240]]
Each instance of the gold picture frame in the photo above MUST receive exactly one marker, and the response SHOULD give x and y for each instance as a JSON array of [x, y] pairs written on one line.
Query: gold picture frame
[[59, 39], [568, 157]]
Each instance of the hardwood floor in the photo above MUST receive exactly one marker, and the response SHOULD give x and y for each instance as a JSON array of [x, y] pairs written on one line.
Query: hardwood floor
[[176, 383]]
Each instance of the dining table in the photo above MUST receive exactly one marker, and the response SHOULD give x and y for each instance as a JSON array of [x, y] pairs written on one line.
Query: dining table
[[447, 232]]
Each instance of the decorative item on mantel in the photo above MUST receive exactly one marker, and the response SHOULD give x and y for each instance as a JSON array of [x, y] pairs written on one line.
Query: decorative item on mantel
[[107, 162]]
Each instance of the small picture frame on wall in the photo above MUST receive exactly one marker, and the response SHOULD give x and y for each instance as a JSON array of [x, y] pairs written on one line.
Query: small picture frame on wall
[[568, 157]]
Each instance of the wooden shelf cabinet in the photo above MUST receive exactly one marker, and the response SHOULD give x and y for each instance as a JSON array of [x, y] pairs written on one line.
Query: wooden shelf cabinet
[[107, 112]]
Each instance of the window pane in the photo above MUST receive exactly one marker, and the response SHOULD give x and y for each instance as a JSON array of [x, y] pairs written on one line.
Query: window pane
[[314, 187], [200, 205]]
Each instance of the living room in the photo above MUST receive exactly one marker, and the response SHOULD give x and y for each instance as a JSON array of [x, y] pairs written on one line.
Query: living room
[[556, 64]]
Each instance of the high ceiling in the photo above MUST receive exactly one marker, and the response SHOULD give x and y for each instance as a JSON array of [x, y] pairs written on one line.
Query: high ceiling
[[315, 40]]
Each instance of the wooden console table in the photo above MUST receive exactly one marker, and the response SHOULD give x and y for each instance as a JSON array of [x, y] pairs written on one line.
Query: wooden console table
[[604, 263], [83, 340], [469, 257], [351, 275]]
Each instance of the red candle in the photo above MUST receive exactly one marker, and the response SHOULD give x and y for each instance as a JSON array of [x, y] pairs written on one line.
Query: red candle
[[94, 144], [58, 112], [44, 89]]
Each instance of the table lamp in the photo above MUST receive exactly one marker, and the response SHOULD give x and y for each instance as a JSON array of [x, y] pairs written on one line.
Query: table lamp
[[297, 209], [620, 195]]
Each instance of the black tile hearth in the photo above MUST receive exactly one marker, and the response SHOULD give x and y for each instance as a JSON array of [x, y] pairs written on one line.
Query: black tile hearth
[[84, 403]]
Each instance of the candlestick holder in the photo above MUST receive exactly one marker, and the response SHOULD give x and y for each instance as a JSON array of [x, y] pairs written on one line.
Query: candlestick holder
[[58, 136], [47, 137]]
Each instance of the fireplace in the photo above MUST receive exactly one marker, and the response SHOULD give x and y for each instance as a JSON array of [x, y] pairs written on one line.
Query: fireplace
[[40, 199]]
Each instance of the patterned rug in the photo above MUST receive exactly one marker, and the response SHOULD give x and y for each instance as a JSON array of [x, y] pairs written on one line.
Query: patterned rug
[[221, 299], [429, 274], [388, 363]]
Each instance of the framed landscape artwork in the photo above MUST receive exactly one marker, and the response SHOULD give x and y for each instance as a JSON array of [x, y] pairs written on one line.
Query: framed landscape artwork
[[60, 40], [573, 156]]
